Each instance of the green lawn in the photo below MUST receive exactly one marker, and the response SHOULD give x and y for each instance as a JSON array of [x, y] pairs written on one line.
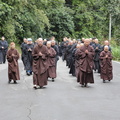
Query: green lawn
[[116, 52]]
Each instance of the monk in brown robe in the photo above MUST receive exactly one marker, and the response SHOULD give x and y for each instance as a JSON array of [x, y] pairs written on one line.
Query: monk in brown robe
[[13, 68], [40, 65], [106, 64], [77, 60], [85, 54], [51, 61]]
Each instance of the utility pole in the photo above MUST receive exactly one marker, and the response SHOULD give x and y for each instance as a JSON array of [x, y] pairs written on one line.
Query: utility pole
[[110, 27]]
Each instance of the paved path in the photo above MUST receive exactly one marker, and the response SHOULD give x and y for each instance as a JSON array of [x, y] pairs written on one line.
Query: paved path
[[64, 99]]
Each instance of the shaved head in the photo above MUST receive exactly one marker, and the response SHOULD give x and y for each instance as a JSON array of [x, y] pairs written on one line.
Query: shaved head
[[96, 41], [49, 44], [106, 42], [106, 48], [40, 41], [87, 42]]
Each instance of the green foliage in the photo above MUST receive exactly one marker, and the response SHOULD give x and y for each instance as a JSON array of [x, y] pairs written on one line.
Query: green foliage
[[22, 19], [116, 52], [61, 21], [59, 18]]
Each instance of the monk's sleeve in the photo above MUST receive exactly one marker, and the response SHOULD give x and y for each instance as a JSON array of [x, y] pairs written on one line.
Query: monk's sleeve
[[35, 54], [53, 53], [91, 53], [102, 57], [16, 57], [45, 54], [110, 56], [80, 53], [9, 57]]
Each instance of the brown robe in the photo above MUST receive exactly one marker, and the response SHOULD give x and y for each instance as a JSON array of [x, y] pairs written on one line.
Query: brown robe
[[52, 63], [106, 65], [13, 68], [85, 74], [40, 66]]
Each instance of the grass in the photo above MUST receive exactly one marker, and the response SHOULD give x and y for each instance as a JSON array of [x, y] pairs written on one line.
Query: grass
[[116, 52]]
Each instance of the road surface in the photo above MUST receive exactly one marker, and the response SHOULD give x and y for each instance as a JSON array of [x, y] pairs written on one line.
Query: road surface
[[63, 99]]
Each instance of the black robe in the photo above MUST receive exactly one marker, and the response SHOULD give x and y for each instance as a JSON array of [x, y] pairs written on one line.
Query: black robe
[[55, 47], [3, 51], [97, 57], [68, 55], [72, 67], [63, 48], [102, 49], [71, 50], [28, 57], [23, 52]]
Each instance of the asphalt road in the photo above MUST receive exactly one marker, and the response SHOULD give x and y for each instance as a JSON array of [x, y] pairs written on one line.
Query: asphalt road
[[63, 99]]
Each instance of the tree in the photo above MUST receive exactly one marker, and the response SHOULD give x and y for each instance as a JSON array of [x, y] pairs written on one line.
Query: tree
[[61, 21]]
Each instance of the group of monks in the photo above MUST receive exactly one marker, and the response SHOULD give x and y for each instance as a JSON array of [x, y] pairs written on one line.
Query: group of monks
[[85, 56], [40, 59]]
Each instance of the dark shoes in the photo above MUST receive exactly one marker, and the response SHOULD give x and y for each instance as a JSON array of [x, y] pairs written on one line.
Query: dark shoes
[[84, 85], [53, 80], [104, 81], [15, 82], [29, 73], [9, 81]]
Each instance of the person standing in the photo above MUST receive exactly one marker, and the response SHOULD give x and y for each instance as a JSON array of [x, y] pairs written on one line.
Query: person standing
[[51, 61], [23, 50], [40, 65], [55, 47], [13, 68], [97, 48], [63, 47], [77, 60], [3, 50], [106, 43], [106, 64], [28, 56], [86, 55]]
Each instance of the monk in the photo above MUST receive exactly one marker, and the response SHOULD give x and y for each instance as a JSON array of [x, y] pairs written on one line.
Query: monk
[[28, 56], [97, 48], [13, 68], [40, 65], [3, 50], [86, 55], [106, 43], [77, 59], [51, 61], [22, 50], [106, 64]]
